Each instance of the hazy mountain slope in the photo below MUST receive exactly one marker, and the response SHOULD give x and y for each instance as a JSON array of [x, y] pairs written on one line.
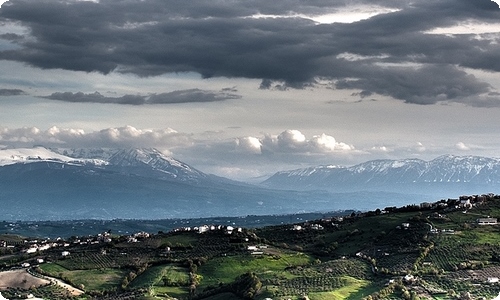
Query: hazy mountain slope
[[134, 183]]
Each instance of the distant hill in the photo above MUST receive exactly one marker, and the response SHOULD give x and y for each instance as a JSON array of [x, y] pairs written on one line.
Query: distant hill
[[445, 175]]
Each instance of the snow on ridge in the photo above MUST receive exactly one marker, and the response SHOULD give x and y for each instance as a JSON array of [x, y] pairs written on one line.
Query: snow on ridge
[[36, 154]]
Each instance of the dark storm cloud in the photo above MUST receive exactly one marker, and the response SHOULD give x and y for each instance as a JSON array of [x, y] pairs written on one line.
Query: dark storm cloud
[[181, 96], [417, 86], [11, 92], [96, 98], [192, 95], [11, 37], [217, 39]]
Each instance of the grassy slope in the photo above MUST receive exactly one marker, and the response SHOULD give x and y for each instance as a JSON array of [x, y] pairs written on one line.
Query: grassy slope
[[92, 280], [228, 268]]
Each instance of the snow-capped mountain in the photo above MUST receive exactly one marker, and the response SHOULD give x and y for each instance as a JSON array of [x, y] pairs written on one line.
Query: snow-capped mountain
[[48, 184], [394, 174], [134, 161], [146, 162]]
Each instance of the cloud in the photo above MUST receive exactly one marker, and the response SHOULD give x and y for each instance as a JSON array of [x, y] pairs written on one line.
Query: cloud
[[381, 149], [11, 92], [289, 141], [294, 141], [249, 145], [192, 95], [419, 147], [288, 50], [96, 98], [182, 96], [120, 137], [426, 84], [467, 147], [461, 146]]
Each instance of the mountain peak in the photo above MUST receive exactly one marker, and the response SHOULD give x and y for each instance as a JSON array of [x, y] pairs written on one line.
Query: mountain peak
[[141, 161], [135, 156]]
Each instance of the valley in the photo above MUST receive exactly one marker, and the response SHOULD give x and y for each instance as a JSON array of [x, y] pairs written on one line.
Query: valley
[[448, 249]]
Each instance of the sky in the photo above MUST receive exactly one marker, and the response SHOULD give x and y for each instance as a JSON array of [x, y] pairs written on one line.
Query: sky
[[243, 89]]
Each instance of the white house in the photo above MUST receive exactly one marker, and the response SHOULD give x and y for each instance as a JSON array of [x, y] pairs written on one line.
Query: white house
[[252, 248], [487, 221], [203, 228], [31, 250]]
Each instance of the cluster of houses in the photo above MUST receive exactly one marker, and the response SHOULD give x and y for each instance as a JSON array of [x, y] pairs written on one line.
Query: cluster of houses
[[205, 228], [306, 225], [463, 202], [138, 236], [256, 249]]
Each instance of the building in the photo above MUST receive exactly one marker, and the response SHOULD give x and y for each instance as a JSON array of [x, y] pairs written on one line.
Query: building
[[487, 221]]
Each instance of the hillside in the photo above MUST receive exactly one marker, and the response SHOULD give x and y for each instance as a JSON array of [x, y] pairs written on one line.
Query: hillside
[[438, 250]]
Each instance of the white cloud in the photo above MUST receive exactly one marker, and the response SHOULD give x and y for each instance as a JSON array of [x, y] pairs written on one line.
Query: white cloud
[[324, 141], [346, 14], [382, 149], [419, 147], [461, 146], [292, 140], [249, 145], [127, 136], [288, 141], [471, 27], [467, 147]]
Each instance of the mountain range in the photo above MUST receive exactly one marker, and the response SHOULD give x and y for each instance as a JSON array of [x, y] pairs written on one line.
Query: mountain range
[[64, 184], [448, 174]]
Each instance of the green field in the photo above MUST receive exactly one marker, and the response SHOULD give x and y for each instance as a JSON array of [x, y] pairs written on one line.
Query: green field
[[226, 269], [91, 280], [355, 289], [164, 275], [164, 280]]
